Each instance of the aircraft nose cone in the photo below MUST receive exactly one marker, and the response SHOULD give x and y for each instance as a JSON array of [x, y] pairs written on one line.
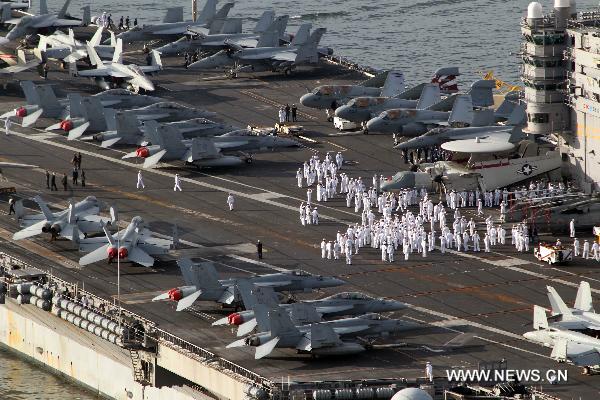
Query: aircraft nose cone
[[343, 112], [396, 305], [402, 180], [308, 100], [337, 282], [530, 336], [376, 124]]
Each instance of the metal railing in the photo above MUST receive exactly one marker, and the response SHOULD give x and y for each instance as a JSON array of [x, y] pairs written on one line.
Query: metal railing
[[205, 356]]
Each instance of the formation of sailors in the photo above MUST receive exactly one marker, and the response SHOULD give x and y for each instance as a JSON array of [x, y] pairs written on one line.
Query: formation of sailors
[[387, 223]]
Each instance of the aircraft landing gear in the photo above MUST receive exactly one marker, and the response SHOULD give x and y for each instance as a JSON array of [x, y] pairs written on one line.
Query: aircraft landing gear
[[287, 72], [365, 129], [232, 74]]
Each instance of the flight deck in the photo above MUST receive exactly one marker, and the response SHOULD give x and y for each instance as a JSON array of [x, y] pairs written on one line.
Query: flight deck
[[490, 295]]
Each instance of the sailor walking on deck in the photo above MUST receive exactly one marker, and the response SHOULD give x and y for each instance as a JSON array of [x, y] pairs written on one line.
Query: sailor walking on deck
[[140, 180], [230, 201], [429, 371], [177, 183], [572, 228], [7, 125]]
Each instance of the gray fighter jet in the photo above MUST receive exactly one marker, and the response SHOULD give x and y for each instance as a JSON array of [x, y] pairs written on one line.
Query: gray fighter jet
[[163, 111], [569, 346], [581, 317], [284, 58], [108, 75], [22, 65], [437, 136], [386, 84], [362, 109], [79, 217], [338, 337], [60, 46], [483, 164], [347, 303], [410, 122], [267, 28], [129, 131], [202, 283], [30, 24], [42, 102], [168, 144], [134, 243], [85, 113], [166, 31]]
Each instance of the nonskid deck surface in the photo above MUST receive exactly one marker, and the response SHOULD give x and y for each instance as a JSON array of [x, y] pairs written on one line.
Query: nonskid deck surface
[[490, 295]]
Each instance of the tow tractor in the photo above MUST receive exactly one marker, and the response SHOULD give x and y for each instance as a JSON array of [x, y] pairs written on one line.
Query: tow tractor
[[553, 254]]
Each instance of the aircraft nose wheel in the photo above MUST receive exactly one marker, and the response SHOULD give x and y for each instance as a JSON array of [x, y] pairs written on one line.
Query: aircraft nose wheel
[[249, 160]]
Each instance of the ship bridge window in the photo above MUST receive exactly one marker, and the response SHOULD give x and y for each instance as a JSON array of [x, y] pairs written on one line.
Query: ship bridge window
[[546, 39], [538, 118]]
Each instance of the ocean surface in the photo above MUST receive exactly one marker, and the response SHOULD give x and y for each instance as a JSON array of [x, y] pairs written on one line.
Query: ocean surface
[[417, 37]]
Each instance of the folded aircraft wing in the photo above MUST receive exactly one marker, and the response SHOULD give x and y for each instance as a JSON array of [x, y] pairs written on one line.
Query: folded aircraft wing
[[171, 31], [582, 355], [273, 284], [351, 329], [289, 56], [248, 42], [30, 231], [334, 309], [102, 72], [65, 22], [13, 69]]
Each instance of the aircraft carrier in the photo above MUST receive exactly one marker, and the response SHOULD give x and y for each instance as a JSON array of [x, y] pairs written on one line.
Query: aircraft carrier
[[489, 295]]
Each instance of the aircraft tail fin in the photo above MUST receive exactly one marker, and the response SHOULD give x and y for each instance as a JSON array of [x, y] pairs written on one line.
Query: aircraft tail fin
[[518, 116], [87, 16], [557, 304], [583, 301], [231, 26], [113, 40], [97, 38], [42, 95], [43, 7], [208, 12], [202, 275], [63, 11], [482, 93], [302, 35], [75, 234], [76, 107], [429, 96], [175, 237], [270, 37], [394, 84], [307, 53], [377, 81], [559, 351], [118, 54], [322, 335], [166, 136], [174, 14], [94, 58], [462, 110], [6, 12], [539, 318], [265, 21], [446, 79], [44, 208], [109, 237], [224, 11], [280, 322]]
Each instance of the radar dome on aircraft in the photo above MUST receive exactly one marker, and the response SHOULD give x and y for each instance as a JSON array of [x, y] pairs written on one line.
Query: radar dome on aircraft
[[534, 10], [412, 394]]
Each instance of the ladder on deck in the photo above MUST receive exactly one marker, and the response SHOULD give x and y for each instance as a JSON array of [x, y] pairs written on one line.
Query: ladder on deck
[[138, 370]]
